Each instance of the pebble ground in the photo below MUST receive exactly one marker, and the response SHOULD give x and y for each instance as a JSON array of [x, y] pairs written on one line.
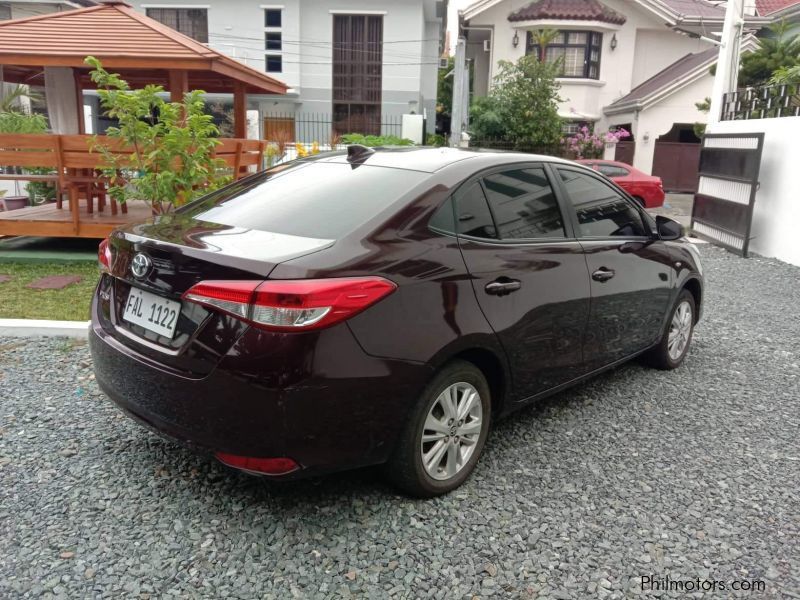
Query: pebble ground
[[689, 474]]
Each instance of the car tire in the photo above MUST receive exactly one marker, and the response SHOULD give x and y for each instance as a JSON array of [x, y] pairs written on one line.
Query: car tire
[[408, 468], [682, 318], [640, 200]]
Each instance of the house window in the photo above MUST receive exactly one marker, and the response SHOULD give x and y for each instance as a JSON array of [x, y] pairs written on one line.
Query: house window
[[274, 63], [188, 21], [273, 17], [273, 40], [577, 51], [5, 11], [357, 73]]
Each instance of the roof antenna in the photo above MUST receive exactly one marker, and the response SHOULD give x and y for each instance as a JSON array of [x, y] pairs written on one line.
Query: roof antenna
[[358, 153]]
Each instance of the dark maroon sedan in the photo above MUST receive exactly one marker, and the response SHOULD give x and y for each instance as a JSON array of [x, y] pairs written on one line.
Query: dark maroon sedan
[[384, 306]]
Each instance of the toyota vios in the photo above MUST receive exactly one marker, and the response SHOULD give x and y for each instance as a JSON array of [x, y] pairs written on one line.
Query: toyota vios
[[384, 306]]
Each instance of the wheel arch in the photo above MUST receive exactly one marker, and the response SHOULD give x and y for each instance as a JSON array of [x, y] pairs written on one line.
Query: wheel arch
[[695, 288], [492, 363]]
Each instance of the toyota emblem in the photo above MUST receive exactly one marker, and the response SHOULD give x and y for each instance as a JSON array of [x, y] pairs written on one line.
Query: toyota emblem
[[140, 265]]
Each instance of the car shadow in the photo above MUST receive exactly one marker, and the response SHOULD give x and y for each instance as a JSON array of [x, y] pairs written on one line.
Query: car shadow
[[207, 478]]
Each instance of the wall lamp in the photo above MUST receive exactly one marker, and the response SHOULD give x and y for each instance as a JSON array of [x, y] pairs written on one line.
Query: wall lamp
[[515, 40], [614, 42]]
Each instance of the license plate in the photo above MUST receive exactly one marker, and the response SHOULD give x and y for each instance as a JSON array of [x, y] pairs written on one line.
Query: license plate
[[152, 312]]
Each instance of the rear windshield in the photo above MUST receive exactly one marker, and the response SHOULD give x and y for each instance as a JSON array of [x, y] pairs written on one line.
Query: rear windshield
[[316, 199]]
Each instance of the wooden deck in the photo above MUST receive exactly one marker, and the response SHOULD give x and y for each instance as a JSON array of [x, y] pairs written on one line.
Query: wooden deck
[[48, 221]]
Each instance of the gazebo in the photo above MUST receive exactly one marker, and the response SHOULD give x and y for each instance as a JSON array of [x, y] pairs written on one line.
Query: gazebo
[[49, 51]]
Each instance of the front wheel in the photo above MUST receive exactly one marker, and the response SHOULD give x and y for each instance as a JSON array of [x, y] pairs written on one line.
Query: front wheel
[[445, 434], [674, 345]]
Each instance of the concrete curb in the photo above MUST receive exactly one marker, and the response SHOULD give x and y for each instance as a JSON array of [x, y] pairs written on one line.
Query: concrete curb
[[43, 328]]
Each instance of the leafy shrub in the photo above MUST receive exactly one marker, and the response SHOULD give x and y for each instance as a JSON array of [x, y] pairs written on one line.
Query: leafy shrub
[[372, 141], [522, 105], [434, 139], [173, 144]]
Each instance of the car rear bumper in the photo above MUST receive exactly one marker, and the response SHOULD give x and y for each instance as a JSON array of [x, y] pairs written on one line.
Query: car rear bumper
[[321, 401]]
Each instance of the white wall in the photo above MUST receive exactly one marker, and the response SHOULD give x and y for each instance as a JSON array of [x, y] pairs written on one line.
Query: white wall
[[658, 119], [776, 216], [236, 27], [656, 49]]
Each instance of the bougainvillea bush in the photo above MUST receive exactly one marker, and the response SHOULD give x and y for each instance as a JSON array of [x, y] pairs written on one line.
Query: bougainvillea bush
[[588, 144]]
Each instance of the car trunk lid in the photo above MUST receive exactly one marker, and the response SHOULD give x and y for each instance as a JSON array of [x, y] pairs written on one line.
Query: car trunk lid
[[179, 252]]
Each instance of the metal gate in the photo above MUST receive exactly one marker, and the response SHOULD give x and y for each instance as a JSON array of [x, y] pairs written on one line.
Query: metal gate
[[723, 205], [676, 164], [625, 152]]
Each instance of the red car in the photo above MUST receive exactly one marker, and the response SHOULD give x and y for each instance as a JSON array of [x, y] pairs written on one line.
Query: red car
[[646, 189]]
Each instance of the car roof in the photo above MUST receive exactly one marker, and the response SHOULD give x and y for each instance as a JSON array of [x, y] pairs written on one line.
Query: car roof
[[431, 160]]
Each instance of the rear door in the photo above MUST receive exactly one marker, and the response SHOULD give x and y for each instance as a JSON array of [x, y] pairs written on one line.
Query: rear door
[[630, 268], [529, 273]]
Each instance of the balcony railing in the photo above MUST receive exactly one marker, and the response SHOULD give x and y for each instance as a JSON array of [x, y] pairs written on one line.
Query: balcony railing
[[765, 102]]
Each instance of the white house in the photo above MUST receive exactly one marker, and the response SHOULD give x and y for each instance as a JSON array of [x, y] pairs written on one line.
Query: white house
[[31, 8], [357, 60], [637, 64]]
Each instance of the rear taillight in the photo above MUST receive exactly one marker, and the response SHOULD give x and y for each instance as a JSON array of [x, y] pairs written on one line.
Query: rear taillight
[[292, 305], [265, 466], [104, 256]]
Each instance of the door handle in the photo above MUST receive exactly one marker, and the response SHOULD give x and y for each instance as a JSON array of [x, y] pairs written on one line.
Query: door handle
[[603, 274], [501, 287]]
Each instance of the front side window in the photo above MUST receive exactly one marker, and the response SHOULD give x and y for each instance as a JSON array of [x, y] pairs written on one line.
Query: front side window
[[472, 213], [188, 21], [524, 205], [578, 52], [601, 211]]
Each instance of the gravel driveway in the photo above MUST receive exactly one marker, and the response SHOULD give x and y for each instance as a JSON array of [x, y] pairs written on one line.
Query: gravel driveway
[[691, 474]]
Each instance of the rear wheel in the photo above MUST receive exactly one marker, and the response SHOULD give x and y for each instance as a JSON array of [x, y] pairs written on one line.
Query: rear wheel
[[445, 434], [674, 344], [640, 200]]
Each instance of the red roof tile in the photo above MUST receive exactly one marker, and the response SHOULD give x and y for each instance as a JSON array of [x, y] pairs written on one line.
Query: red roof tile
[[766, 7], [570, 10]]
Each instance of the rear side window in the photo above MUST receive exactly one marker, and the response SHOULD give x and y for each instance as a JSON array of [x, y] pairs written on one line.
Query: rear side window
[[443, 220], [472, 213], [612, 170], [308, 199], [524, 205], [601, 211]]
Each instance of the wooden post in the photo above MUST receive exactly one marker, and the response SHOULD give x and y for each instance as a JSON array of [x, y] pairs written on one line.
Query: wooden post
[[79, 102], [239, 110], [178, 85]]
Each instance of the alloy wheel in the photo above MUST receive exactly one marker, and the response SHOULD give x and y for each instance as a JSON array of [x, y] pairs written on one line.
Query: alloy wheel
[[680, 330], [451, 431]]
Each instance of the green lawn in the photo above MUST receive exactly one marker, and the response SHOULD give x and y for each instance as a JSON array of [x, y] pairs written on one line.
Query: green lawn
[[70, 304]]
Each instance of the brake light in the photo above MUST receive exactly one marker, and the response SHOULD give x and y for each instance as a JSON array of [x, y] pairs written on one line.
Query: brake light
[[104, 256], [266, 466], [292, 305]]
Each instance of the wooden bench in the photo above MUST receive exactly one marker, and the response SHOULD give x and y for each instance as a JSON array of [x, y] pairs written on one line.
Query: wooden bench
[[240, 155], [77, 163], [32, 150]]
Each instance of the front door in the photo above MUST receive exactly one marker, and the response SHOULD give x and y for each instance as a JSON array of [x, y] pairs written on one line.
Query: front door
[[630, 269], [529, 274]]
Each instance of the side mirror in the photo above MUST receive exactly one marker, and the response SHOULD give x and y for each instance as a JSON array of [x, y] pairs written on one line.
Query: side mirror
[[669, 229]]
